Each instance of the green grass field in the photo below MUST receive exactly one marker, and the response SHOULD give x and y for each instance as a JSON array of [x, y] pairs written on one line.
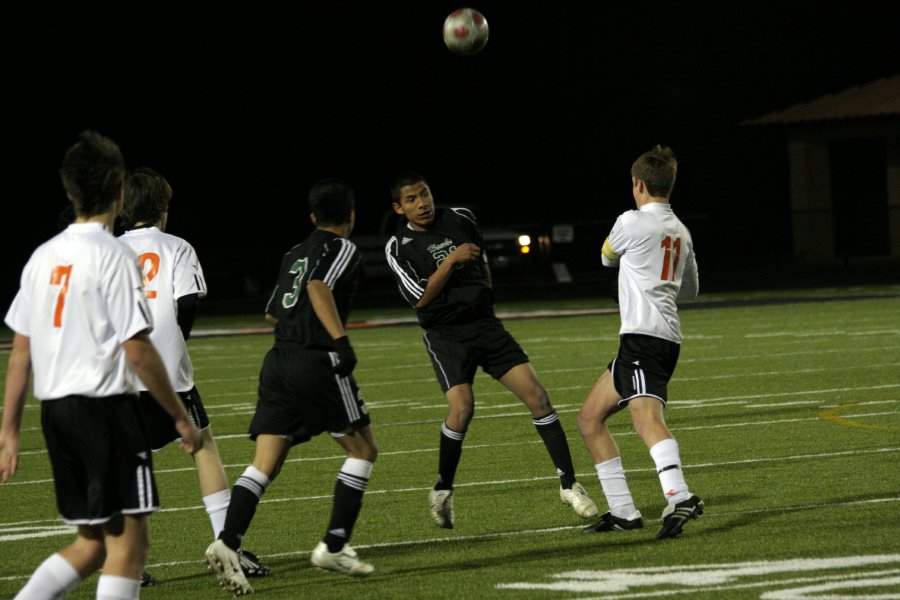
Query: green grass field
[[788, 418]]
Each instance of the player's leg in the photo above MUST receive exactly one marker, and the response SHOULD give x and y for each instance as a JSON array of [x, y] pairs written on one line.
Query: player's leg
[[649, 422], [522, 381], [222, 555], [334, 551], [61, 572], [601, 403], [127, 541], [271, 451]]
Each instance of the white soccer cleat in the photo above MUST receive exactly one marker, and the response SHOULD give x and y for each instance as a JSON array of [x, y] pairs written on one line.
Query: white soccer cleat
[[578, 499], [226, 565], [441, 502], [345, 561]]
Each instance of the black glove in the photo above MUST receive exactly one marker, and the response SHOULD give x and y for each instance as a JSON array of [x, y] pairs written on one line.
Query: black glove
[[346, 357]]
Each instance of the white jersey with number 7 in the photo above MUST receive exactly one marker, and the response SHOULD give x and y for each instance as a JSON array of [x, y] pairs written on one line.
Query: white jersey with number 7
[[80, 299], [655, 255]]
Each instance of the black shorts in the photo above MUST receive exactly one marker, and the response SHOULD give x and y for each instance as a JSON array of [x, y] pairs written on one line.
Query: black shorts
[[161, 427], [457, 351], [100, 457], [644, 367], [300, 396]]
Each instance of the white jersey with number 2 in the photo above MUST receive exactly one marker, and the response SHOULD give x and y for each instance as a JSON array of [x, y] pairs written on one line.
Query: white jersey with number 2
[[79, 300], [171, 270], [655, 255]]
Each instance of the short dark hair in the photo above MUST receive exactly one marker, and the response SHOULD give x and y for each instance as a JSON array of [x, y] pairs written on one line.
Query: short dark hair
[[92, 173], [331, 201], [403, 179], [147, 197], [657, 169]]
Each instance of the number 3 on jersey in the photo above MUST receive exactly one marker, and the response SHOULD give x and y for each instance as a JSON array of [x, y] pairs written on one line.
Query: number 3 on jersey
[[672, 246], [298, 269]]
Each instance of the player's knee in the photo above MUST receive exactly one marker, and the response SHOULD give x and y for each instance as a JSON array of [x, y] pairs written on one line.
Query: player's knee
[[536, 399]]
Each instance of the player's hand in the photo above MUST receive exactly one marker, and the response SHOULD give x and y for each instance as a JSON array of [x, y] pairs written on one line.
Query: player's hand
[[191, 439], [465, 253], [346, 357], [9, 456]]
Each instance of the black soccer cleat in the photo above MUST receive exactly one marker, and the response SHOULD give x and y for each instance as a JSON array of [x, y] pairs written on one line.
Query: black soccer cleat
[[676, 515], [251, 566], [148, 580], [609, 522]]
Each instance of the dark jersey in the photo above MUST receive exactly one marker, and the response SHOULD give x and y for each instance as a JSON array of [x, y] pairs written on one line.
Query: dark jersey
[[415, 255], [325, 256]]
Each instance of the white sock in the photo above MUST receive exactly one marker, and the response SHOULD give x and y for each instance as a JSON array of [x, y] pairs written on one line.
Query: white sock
[[53, 579], [668, 467], [113, 587], [217, 507], [615, 488]]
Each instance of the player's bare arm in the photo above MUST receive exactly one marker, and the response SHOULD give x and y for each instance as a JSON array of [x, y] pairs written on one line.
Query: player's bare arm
[[467, 252], [322, 300], [18, 375], [145, 361], [323, 305]]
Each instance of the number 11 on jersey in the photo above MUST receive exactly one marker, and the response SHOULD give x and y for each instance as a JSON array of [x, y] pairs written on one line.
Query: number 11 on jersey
[[672, 246]]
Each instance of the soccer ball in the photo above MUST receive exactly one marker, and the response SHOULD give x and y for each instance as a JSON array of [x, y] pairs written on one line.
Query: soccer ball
[[465, 31]]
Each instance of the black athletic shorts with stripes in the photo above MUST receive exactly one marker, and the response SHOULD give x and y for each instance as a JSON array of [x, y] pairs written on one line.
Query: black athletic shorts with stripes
[[643, 367], [300, 396], [101, 460], [161, 427], [457, 351]]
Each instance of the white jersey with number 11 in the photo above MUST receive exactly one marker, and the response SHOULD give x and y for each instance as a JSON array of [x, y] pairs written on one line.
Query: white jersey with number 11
[[655, 255]]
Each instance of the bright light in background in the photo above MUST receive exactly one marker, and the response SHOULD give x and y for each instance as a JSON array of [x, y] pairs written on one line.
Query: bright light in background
[[524, 240]]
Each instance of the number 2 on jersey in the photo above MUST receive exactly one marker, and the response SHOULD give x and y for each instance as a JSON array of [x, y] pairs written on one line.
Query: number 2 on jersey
[[149, 262], [670, 260], [60, 276]]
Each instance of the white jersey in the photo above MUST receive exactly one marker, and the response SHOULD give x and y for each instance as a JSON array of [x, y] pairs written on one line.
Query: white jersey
[[657, 266], [80, 298], [171, 270]]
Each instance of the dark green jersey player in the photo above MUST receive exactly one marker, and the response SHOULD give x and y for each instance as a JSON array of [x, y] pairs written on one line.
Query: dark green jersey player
[[440, 270], [306, 388]]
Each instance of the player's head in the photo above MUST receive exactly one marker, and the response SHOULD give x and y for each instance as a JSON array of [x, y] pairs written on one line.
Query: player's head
[[92, 173], [332, 203], [411, 197], [657, 169], [147, 197]]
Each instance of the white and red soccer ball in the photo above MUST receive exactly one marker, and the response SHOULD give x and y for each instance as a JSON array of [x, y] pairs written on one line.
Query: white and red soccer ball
[[465, 31]]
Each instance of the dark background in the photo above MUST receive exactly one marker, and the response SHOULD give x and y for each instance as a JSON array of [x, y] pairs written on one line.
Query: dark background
[[243, 106]]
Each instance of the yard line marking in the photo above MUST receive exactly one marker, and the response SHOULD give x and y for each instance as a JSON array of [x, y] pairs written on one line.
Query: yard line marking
[[517, 533], [561, 410]]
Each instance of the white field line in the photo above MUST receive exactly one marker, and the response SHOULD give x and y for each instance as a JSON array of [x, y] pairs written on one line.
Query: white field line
[[516, 533]]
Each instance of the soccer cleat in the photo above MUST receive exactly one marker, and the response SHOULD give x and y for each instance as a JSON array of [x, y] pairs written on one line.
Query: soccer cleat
[[345, 561], [675, 515], [226, 566], [148, 580], [578, 499], [441, 502], [610, 522], [251, 566]]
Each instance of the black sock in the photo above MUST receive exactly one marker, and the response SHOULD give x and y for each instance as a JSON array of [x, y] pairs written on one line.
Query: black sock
[[241, 509], [348, 495], [448, 459], [554, 437]]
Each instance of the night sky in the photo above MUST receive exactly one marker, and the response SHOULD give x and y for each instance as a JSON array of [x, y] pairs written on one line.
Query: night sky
[[243, 106]]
